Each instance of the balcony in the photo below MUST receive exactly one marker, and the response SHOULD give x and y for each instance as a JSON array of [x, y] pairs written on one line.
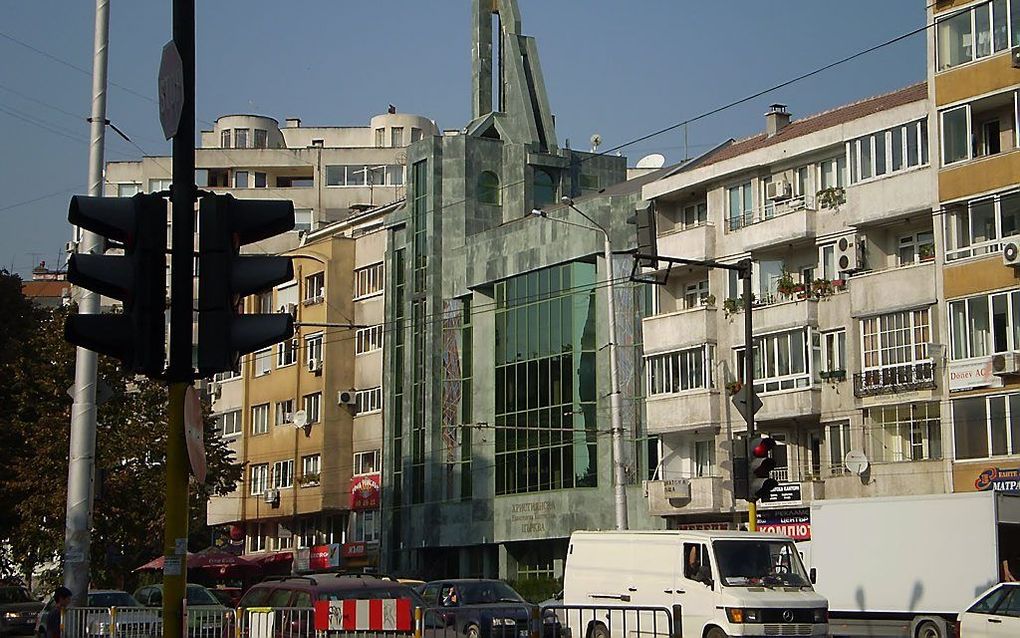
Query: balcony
[[686, 495], [882, 199], [682, 412], [789, 404], [679, 329], [697, 242], [775, 313], [891, 479], [908, 286], [895, 379], [777, 222]]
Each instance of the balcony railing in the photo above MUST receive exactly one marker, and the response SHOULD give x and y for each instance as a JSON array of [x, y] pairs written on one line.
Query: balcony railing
[[895, 379], [773, 209]]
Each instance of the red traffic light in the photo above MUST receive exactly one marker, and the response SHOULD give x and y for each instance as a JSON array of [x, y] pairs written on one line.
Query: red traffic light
[[762, 447]]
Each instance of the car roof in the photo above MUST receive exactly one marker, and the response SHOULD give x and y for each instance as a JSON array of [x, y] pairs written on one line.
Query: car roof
[[108, 591], [465, 581], [333, 582]]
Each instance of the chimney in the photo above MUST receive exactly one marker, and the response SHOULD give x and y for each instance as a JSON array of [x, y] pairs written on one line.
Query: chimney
[[776, 119], [293, 122]]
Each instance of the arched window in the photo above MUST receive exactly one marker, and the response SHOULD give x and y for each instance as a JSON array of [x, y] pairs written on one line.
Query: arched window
[[545, 188], [488, 188]]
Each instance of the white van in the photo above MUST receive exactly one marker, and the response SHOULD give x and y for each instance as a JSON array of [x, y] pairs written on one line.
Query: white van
[[715, 584]]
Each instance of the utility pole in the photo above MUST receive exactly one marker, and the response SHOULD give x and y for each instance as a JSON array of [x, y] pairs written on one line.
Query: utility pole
[[745, 274], [81, 459]]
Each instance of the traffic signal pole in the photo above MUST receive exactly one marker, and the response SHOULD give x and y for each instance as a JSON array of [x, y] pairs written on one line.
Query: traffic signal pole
[[180, 372], [81, 458], [745, 276]]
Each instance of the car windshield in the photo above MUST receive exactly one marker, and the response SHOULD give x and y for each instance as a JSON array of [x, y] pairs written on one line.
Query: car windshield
[[487, 592], [14, 595], [767, 563], [112, 599], [200, 596]]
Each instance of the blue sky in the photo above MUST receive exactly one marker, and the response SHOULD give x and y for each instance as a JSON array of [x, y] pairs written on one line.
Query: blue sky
[[622, 68]]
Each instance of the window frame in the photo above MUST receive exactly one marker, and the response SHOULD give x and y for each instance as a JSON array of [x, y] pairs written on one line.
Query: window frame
[[315, 288], [287, 353], [359, 462], [313, 345], [312, 405], [977, 248], [369, 280], [900, 432], [882, 347], [1012, 297], [310, 462], [368, 340], [675, 372], [370, 398], [259, 426], [284, 412], [258, 479], [793, 381], [263, 361], [942, 134], [237, 423], [837, 339]]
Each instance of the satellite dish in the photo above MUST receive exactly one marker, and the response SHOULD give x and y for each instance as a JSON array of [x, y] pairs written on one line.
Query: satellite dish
[[596, 142], [300, 419], [856, 462], [655, 160]]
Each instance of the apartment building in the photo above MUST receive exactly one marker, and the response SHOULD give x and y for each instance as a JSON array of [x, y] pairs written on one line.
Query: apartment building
[[974, 78], [835, 212]]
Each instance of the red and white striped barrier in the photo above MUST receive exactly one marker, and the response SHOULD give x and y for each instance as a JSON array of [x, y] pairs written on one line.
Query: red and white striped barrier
[[390, 614]]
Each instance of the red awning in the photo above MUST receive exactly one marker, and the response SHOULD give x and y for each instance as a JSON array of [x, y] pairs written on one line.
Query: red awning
[[208, 559]]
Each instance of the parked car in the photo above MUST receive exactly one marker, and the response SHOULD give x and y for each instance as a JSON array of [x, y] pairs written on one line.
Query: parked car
[[228, 596], [995, 613], [18, 611], [482, 608], [207, 616], [132, 620]]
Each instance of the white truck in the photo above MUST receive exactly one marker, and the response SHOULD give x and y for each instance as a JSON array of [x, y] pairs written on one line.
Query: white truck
[[712, 585], [908, 565]]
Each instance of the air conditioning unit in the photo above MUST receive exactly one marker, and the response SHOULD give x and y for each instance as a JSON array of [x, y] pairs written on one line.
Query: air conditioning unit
[[215, 390], [778, 189], [347, 397], [1011, 254], [848, 254], [314, 365], [271, 496], [1006, 364], [1015, 54], [290, 309], [676, 488]]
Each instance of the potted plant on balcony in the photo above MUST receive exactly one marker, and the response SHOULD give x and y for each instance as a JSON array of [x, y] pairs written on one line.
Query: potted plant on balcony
[[800, 291], [837, 375], [308, 479], [733, 387], [785, 285], [838, 285], [709, 301], [832, 197], [821, 288], [926, 252]]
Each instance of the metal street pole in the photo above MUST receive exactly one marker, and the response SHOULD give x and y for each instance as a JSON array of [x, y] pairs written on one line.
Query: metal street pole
[[81, 458], [745, 275], [180, 372]]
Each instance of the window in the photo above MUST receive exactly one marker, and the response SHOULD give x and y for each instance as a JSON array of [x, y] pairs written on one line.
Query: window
[[128, 190], [955, 135], [285, 412], [318, 142], [263, 361], [368, 339], [544, 188], [800, 182], [834, 351], [260, 418], [312, 405], [303, 221], [415, 134], [833, 172], [837, 435], [397, 136], [366, 401], [696, 294], [259, 478], [986, 426], [261, 138], [488, 188], [368, 280], [310, 469], [264, 302], [366, 462], [376, 175], [313, 347], [156, 185], [380, 137], [283, 474], [240, 138], [695, 215], [827, 261], [916, 247], [229, 423], [225, 139], [976, 227], [315, 285], [976, 32], [361, 175], [740, 205], [260, 180], [985, 325], [704, 458], [286, 353], [884, 152], [590, 182], [295, 181], [240, 179], [781, 361], [679, 371], [365, 526], [895, 339], [906, 432], [395, 175]]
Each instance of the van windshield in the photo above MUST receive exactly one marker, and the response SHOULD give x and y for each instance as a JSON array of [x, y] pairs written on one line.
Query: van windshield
[[767, 563]]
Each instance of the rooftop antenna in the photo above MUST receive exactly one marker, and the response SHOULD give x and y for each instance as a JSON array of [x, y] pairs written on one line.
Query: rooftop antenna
[[596, 142]]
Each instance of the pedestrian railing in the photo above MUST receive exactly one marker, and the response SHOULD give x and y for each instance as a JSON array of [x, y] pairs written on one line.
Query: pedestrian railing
[[112, 622], [615, 619]]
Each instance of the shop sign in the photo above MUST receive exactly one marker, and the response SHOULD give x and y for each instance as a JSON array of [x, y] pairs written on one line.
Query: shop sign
[[355, 549], [365, 492], [982, 478], [972, 373], [301, 560], [783, 493], [324, 556], [704, 526], [795, 523], [531, 517]]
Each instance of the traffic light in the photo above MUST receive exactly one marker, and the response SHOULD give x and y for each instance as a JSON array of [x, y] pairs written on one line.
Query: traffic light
[[739, 468], [647, 243], [225, 277], [137, 278], [759, 467]]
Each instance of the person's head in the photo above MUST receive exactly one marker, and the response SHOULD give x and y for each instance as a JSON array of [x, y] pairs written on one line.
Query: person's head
[[62, 597]]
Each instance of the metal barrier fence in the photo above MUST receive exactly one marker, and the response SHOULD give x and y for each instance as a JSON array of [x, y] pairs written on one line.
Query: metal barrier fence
[[491, 621], [112, 622], [602, 621]]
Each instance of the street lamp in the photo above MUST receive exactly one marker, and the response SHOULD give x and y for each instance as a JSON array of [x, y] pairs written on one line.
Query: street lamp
[[619, 476]]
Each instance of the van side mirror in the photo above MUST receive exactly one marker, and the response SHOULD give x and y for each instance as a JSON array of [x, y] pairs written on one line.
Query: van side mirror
[[813, 575]]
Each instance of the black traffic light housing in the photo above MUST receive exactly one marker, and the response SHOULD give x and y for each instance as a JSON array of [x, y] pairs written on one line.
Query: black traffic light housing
[[739, 466], [759, 467], [225, 277], [137, 337]]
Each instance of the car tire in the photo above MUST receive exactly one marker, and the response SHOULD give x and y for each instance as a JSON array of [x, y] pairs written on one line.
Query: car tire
[[599, 630], [716, 632], [471, 632], [929, 629]]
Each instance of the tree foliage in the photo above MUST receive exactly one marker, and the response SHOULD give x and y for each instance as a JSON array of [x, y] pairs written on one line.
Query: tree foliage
[[37, 367]]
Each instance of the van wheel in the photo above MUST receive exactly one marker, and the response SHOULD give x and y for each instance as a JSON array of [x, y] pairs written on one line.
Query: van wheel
[[471, 632], [598, 630], [715, 632], [929, 629]]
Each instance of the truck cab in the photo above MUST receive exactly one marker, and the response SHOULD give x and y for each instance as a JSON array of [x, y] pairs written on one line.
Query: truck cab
[[712, 584]]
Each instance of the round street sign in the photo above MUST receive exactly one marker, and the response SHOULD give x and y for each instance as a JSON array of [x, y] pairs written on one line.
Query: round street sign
[[194, 433], [171, 89]]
